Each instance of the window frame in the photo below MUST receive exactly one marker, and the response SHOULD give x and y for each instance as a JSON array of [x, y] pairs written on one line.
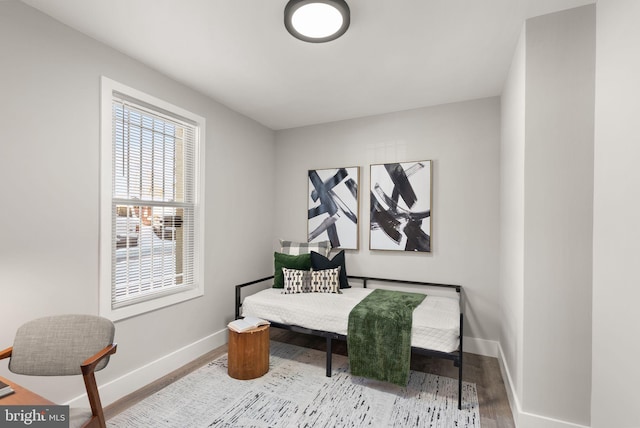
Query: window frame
[[108, 88]]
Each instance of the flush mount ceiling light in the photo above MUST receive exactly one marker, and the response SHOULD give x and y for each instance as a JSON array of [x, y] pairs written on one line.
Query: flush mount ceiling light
[[316, 21]]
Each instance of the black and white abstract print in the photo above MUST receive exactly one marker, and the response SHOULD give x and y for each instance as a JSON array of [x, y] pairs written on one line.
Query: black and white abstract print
[[333, 206], [401, 206]]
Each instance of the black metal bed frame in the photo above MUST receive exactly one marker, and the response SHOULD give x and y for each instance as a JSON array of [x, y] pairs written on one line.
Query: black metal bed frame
[[455, 356]]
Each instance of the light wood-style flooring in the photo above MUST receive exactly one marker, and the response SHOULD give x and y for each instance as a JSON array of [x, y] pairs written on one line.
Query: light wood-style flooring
[[483, 371]]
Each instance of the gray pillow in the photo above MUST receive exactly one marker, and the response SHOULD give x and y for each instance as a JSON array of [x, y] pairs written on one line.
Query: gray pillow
[[296, 248]]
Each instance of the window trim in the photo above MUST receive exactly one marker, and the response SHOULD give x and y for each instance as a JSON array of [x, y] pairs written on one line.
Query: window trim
[[108, 87]]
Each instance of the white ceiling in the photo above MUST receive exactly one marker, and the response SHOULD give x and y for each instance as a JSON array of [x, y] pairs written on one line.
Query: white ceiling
[[396, 55]]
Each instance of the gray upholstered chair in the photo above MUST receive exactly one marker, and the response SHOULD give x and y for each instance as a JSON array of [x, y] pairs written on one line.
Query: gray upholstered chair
[[64, 345]]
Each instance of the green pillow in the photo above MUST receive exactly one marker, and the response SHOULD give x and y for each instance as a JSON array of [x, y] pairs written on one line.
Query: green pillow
[[280, 260]]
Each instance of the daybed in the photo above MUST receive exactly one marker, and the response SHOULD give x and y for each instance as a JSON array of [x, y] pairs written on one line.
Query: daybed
[[437, 321]]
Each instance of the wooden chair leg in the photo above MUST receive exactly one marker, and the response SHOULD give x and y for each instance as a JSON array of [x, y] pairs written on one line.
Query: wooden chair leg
[[91, 385]]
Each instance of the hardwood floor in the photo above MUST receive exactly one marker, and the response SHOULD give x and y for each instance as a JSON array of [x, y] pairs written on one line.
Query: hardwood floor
[[139, 395], [483, 371]]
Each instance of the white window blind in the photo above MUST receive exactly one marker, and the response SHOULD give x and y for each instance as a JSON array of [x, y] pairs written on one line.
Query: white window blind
[[153, 202]]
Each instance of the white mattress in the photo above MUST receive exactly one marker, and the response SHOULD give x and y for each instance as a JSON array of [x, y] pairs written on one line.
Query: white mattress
[[436, 321]]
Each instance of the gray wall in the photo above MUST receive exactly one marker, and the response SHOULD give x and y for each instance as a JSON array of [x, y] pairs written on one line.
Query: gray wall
[[512, 149], [560, 85], [547, 200], [616, 372], [463, 140], [49, 175]]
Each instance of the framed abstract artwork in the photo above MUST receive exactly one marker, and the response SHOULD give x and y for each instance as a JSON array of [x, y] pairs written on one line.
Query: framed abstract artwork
[[401, 206], [333, 206]]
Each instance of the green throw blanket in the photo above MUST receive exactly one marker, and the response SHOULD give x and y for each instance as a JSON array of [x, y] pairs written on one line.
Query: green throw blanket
[[379, 335]]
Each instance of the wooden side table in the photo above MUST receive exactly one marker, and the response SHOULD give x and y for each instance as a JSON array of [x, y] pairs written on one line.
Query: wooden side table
[[248, 353]]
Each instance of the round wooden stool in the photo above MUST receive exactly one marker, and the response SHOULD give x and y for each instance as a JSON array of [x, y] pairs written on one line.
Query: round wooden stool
[[248, 353]]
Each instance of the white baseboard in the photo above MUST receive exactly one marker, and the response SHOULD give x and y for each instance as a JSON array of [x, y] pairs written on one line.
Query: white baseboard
[[521, 418], [529, 420], [487, 348], [142, 376]]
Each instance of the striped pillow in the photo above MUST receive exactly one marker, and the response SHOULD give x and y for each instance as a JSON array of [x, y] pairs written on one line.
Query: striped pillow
[[296, 281], [325, 281]]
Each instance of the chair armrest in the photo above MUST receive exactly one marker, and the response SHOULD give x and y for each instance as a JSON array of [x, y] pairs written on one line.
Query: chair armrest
[[89, 365], [6, 353]]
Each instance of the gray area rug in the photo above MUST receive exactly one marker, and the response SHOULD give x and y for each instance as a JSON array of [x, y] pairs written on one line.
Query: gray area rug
[[296, 393]]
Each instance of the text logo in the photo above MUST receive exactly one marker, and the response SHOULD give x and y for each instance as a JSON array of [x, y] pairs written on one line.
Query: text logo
[[34, 416]]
